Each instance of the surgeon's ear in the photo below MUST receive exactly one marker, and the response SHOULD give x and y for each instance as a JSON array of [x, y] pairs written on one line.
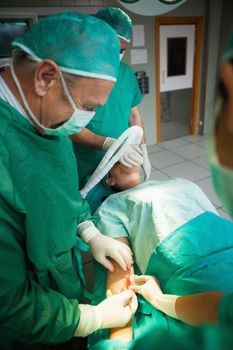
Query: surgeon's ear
[[110, 182], [46, 74]]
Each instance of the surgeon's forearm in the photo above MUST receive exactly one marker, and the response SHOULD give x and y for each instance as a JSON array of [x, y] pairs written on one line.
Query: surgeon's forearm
[[136, 119], [116, 282], [198, 309], [89, 139]]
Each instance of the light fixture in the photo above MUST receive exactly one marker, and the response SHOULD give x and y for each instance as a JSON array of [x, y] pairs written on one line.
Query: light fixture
[[168, 2], [129, 1], [151, 7]]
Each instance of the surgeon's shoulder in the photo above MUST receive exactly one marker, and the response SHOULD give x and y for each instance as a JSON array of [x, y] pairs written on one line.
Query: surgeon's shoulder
[[126, 69]]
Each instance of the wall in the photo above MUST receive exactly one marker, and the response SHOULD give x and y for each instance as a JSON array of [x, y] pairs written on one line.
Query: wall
[[210, 10], [148, 106]]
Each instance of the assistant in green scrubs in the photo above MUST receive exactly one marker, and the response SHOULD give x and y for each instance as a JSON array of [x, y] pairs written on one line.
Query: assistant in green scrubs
[[110, 120], [118, 114]]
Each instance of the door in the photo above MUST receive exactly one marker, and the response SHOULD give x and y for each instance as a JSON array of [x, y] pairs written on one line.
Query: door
[[178, 53]]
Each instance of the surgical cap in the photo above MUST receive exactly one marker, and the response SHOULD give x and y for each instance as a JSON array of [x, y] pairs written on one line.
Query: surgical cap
[[227, 54], [118, 20], [79, 44]]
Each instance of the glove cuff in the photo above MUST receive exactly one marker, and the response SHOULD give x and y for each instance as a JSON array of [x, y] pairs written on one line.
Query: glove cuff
[[165, 303], [108, 143], [88, 322], [143, 146], [87, 230]]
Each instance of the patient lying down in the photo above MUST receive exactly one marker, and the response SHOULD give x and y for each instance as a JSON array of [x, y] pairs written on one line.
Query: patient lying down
[[156, 214]]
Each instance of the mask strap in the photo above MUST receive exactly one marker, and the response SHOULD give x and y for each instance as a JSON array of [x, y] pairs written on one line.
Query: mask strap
[[67, 92]]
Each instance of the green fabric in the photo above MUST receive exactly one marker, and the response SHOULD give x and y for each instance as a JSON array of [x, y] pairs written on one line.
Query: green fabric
[[110, 120], [40, 206], [98, 194], [226, 309], [118, 20], [227, 54], [80, 44], [192, 259], [205, 338]]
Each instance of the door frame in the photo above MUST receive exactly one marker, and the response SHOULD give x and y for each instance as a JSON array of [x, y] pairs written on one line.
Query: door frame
[[198, 22]]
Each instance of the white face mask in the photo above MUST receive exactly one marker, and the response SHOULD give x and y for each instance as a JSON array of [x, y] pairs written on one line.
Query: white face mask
[[78, 120], [222, 177]]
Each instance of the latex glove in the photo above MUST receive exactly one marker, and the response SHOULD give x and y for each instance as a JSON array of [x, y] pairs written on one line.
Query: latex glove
[[103, 247], [146, 162], [132, 157], [115, 311], [149, 288], [146, 286]]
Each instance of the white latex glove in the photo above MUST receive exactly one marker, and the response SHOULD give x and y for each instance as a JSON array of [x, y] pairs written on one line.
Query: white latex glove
[[115, 311], [146, 286], [149, 288], [132, 157], [146, 161], [103, 247]]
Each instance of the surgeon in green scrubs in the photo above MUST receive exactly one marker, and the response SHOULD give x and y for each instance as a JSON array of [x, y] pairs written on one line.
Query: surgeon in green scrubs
[[47, 93], [120, 111]]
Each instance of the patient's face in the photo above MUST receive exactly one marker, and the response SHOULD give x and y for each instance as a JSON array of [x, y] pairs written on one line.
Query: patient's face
[[224, 121], [121, 177]]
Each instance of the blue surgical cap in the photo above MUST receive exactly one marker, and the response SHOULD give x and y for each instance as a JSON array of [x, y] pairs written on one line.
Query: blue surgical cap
[[79, 44], [118, 20]]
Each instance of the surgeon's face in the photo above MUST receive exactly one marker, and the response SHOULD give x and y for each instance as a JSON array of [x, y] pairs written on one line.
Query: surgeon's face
[[87, 93], [90, 92], [224, 121]]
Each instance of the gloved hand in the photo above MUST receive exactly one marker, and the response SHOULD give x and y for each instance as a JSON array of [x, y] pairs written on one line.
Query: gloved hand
[[146, 286], [149, 288], [146, 161], [103, 247], [115, 311], [133, 156]]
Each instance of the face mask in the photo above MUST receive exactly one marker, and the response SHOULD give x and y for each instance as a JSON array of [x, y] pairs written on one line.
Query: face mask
[[121, 55], [222, 178], [78, 120]]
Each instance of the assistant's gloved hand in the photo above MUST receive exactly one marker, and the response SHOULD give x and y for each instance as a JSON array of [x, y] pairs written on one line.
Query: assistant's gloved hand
[[132, 157], [149, 288], [146, 161], [103, 247], [115, 311]]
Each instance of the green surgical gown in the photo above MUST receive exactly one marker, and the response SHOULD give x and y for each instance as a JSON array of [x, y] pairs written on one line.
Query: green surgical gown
[[41, 280], [110, 120]]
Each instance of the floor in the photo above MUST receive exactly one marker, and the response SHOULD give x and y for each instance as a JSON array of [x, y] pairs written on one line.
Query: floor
[[172, 129], [183, 157]]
